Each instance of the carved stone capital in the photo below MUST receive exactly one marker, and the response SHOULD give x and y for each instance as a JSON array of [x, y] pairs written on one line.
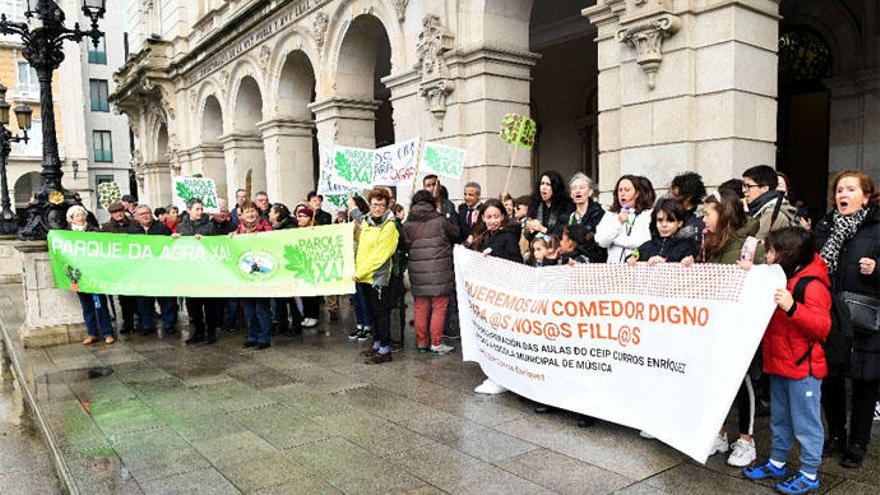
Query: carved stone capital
[[400, 7], [436, 84], [647, 38], [319, 28]]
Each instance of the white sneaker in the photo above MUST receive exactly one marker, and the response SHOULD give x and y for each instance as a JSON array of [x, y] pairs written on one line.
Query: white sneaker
[[489, 387], [309, 322], [646, 435], [721, 445], [877, 411], [442, 349], [743, 453]]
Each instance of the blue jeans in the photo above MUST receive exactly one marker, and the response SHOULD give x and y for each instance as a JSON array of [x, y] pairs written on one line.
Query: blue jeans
[[361, 311], [96, 314], [230, 313], [795, 413], [258, 315], [167, 312]]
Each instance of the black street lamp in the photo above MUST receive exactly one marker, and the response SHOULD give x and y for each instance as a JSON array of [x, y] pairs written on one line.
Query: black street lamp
[[8, 222], [43, 49]]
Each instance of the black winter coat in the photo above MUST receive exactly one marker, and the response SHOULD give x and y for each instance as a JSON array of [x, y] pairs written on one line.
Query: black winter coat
[[287, 223], [115, 227], [504, 243], [223, 228], [590, 220], [673, 249], [865, 244], [203, 226], [156, 228], [428, 236]]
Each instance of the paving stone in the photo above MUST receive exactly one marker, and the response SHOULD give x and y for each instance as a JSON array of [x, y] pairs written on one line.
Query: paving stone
[[375, 434], [850, 487], [201, 481], [353, 469], [455, 472], [306, 401], [384, 404], [233, 396], [157, 453], [29, 484], [308, 485], [123, 416], [259, 377], [642, 488], [563, 474], [324, 380], [205, 379], [107, 388], [695, 480], [102, 475], [281, 427], [254, 469], [74, 429], [222, 445], [608, 446]]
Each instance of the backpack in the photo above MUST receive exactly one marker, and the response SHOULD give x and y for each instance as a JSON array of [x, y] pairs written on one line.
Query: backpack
[[838, 344]]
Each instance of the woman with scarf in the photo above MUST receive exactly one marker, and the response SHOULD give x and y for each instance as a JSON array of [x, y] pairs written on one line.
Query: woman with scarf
[[94, 306], [849, 242], [257, 310]]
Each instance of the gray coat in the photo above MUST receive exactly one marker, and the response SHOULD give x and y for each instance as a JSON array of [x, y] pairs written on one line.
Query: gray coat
[[429, 237]]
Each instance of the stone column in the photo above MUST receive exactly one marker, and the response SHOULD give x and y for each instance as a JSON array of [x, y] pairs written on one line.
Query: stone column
[[854, 127], [345, 121], [289, 159], [10, 264], [210, 161], [157, 183], [685, 87], [244, 152], [51, 316]]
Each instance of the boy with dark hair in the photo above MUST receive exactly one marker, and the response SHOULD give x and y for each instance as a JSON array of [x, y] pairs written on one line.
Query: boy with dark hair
[[764, 202]]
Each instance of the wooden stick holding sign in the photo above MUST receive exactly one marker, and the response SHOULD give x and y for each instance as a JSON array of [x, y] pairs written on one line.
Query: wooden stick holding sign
[[519, 131], [418, 165]]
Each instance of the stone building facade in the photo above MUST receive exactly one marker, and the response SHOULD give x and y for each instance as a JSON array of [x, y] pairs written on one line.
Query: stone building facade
[[651, 87]]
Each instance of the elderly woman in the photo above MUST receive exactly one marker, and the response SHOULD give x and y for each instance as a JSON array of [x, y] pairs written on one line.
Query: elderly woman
[[94, 306], [257, 311], [373, 259], [849, 242], [587, 212]]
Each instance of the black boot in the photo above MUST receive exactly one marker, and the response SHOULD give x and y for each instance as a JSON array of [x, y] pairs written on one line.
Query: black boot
[[211, 337], [834, 445], [853, 456], [197, 338], [585, 421]]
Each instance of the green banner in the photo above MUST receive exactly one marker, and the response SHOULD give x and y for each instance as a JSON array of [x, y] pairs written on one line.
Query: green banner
[[298, 262]]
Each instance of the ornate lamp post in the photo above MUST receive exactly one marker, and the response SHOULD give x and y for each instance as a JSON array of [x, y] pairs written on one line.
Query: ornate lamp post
[[8, 222], [43, 49]]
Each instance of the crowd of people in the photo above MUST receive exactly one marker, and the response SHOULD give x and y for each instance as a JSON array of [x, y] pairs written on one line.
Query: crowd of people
[[831, 294]]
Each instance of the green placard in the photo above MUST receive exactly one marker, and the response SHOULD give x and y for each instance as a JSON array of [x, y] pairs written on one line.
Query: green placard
[[518, 130], [299, 262], [444, 161]]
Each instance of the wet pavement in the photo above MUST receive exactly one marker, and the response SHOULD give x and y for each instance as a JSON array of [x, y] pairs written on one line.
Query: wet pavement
[[306, 416]]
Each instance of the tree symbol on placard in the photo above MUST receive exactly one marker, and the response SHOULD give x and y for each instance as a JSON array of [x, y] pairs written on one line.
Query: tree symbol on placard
[[299, 264], [184, 192], [432, 158], [343, 166], [74, 275]]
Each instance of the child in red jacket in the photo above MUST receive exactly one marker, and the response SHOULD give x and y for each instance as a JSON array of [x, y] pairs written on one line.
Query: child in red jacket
[[795, 361]]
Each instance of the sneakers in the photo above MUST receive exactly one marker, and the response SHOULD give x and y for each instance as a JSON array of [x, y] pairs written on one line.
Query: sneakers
[[764, 471], [366, 334], [356, 332], [441, 350], [489, 387], [646, 435], [743, 453], [309, 322], [797, 485], [721, 445], [877, 411]]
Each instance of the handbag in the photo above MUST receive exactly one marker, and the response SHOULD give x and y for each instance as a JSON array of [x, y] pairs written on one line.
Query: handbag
[[864, 312]]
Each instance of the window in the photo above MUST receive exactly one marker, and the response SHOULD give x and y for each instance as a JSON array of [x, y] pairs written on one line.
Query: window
[[98, 91], [14, 9], [27, 78], [98, 55], [103, 146]]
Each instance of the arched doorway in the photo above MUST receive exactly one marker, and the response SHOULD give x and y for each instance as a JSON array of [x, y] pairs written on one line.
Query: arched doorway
[[295, 133], [243, 148], [25, 187], [210, 150], [563, 88], [364, 59], [805, 60]]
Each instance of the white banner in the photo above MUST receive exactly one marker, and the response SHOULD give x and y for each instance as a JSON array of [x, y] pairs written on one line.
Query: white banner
[[186, 188], [663, 349], [396, 164]]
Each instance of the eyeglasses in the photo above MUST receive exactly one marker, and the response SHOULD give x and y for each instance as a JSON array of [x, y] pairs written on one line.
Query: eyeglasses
[[746, 187], [379, 206]]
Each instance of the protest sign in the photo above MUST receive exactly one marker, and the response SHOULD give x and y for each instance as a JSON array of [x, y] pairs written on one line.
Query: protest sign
[[186, 188], [298, 262], [444, 161], [518, 130], [335, 195], [108, 193], [353, 167], [662, 349], [396, 164]]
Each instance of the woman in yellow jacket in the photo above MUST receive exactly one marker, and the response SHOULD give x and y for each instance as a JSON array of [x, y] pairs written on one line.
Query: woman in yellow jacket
[[375, 251]]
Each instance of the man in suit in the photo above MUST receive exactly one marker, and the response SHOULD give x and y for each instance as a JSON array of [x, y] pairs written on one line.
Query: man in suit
[[469, 211]]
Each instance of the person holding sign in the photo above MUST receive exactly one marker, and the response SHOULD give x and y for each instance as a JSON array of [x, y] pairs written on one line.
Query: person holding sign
[[795, 361], [119, 224], [94, 306], [204, 312], [146, 225], [375, 251], [257, 310]]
